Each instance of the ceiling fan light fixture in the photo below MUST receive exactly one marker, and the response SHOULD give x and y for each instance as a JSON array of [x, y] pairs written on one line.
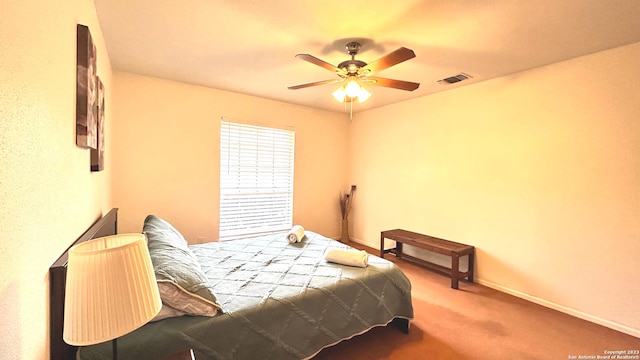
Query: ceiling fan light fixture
[[353, 73], [352, 89], [339, 94], [363, 95]]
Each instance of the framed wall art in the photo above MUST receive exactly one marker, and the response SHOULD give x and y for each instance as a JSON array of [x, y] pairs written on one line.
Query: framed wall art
[[97, 154], [86, 90]]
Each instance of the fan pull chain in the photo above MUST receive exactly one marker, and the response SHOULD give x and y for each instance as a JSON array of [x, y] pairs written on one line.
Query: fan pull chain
[[351, 110]]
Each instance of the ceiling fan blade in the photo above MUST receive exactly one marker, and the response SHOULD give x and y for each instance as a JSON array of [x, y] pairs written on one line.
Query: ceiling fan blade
[[316, 83], [314, 60], [396, 84], [392, 58]]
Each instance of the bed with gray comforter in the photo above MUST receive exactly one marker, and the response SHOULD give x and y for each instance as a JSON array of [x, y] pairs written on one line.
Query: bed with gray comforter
[[279, 300]]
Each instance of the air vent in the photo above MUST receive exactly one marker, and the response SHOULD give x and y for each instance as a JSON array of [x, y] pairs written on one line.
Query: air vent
[[454, 79]]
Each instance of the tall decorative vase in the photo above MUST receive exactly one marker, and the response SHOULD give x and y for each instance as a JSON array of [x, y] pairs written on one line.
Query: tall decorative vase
[[344, 237]]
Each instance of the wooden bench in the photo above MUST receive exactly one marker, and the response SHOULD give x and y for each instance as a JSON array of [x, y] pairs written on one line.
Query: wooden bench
[[453, 249]]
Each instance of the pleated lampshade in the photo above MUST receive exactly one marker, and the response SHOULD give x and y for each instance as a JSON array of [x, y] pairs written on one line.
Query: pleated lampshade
[[111, 289]]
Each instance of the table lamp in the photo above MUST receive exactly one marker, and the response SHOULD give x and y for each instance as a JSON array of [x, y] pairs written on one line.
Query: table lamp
[[111, 290]]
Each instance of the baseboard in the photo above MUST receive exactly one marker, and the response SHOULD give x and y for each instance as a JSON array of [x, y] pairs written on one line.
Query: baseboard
[[365, 243], [545, 303], [563, 309]]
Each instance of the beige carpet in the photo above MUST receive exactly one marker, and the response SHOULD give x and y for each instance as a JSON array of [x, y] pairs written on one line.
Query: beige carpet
[[476, 322]]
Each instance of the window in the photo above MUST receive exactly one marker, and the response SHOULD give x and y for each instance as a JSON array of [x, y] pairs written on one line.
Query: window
[[256, 180]]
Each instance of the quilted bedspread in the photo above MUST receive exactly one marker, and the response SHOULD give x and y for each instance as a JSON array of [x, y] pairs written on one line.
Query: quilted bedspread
[[280, 300]]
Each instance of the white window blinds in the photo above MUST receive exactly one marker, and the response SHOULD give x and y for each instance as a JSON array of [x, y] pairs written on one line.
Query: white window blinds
[[256, 180]]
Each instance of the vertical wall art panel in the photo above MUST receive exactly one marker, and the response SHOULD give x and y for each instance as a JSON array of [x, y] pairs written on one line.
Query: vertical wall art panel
[[97, 154], [86, 90]]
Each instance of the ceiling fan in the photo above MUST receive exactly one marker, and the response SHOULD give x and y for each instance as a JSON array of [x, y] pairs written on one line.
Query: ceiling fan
[[354, 73]]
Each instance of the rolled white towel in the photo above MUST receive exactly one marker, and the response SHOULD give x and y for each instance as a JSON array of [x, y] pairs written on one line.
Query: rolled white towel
[[295, 234], [350, 257]]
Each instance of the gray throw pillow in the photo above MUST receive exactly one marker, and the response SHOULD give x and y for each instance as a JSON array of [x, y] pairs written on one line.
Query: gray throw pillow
[[182, 283]]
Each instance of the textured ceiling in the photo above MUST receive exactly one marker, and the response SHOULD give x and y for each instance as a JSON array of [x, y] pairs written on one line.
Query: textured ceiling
[[249, 46]]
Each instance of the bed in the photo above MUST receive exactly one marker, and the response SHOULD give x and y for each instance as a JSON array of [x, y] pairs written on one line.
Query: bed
[[278, 300]]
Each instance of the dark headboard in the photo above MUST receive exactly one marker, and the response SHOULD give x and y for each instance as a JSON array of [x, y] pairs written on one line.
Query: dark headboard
[[105, 226]]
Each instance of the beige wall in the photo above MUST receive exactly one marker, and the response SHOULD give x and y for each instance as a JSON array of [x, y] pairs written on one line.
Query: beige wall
[[538, 170], [166, 154], [48, 196]]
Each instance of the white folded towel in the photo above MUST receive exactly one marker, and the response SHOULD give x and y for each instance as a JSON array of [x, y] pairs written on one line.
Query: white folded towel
[[347, 257], [295, 234]]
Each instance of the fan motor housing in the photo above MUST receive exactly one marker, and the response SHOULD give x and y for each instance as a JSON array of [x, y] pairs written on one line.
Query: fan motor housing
[[352, 66]]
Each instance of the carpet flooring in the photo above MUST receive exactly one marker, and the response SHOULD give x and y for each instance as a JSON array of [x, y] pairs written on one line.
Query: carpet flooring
[[477, 322]]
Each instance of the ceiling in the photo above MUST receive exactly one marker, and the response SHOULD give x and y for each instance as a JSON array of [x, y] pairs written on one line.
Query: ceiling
[[249, 46]]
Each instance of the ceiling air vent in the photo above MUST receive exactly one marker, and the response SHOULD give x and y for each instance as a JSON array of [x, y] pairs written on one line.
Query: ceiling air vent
[[454, 79]]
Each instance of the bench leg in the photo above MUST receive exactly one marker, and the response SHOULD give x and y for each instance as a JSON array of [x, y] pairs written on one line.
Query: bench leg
[[455, 270]]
